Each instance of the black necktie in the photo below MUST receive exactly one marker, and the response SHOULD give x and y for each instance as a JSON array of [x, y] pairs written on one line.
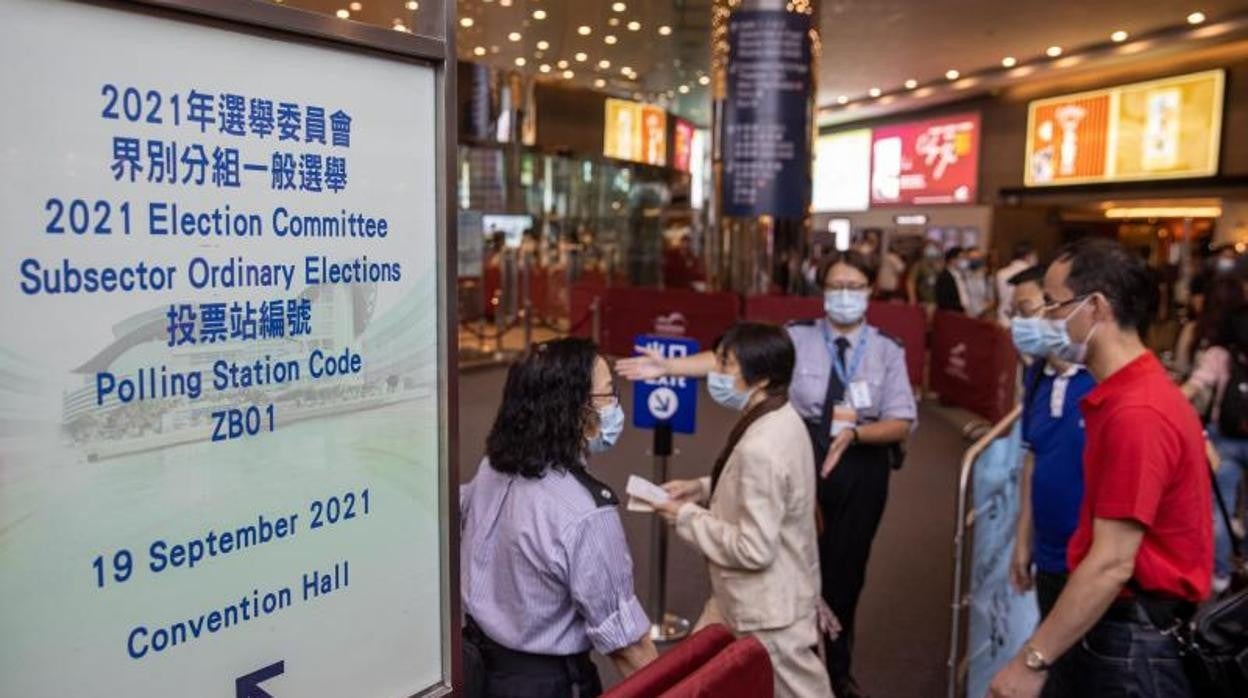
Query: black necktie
[[842, 348]]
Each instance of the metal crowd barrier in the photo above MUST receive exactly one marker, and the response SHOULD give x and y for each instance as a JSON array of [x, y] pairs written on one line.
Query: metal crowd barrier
[[958, 661]]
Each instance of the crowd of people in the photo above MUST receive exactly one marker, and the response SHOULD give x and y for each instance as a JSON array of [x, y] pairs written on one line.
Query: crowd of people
[[1116, 529]]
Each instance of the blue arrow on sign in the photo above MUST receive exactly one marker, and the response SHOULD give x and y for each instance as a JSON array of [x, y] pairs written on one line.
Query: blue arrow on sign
[[249, 686]]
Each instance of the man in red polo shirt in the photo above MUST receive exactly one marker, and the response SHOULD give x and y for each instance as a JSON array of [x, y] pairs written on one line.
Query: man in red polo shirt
[[1142, 555]]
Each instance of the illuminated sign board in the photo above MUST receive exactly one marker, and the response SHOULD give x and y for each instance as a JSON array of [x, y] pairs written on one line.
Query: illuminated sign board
[[635, 132], [682, 145], [1161, 129], [935, 161], [842, 171]]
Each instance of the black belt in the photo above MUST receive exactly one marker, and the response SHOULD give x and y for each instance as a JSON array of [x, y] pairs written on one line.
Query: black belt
[[1162, 612], [506, 660]]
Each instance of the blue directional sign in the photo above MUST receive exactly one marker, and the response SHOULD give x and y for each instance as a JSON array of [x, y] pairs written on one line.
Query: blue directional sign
[[672, 401]]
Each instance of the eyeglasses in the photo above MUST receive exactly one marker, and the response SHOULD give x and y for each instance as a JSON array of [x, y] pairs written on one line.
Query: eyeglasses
[[606, 399], [1027, 310], [1052, 306]]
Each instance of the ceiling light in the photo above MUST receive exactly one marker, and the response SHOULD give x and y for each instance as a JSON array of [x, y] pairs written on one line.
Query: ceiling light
[[1119, 36], [539, 14], [584, 30], [1009, 61], [505, 3], [600, 83], [619, 7], [665, 30], [545, 68], [874, 92], [842, 99], [514, 36], [1053, 51], [634, 26], [543, 45], [478, 51], [952, 74], [704, 80], [684, 89], [604, 64], [609, 39], [562, 64], [343, 14], [568, 75], [614, 21], [911, 84], [625, 69], [413, 5], [581, 57], [400, 27], [355, 6], [465, 22], [1196, 18], [520, 61]]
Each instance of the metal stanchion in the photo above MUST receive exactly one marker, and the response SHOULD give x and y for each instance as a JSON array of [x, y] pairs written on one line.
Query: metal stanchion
[[665, 627]]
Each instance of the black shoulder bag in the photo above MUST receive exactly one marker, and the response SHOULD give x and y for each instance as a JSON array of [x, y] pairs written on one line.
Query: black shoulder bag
[[1215, 641]]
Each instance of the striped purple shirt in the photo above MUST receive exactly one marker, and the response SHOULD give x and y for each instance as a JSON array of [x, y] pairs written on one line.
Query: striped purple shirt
[[544, 569]]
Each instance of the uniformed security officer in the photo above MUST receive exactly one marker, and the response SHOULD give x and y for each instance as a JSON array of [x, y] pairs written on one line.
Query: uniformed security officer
[[546, 572], [852, 389]]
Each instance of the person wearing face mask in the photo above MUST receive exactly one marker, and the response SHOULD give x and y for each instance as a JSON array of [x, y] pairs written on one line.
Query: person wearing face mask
[[545, 569], [1024, 258], [976, 284], [951, 291], [757, 528], [1051, 485], [1141, 557], [851, 388]]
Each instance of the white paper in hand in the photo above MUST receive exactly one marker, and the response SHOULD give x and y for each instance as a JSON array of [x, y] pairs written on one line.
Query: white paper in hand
[[642, 488]]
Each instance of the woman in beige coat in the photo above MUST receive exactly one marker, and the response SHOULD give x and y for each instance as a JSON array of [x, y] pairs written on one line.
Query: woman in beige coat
[[758, 534]]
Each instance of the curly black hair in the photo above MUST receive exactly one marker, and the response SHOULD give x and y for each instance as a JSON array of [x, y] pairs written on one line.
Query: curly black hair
[[546, 410]]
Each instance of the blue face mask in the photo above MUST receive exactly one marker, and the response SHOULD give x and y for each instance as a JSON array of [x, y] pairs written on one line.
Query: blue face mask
[[1041, 337], [845, 307], [723, 390], [610, 426]]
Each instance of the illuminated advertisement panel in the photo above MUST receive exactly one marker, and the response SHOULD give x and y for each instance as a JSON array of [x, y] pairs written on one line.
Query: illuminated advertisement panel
[[682, 145], [635, 132], [1161, 129], [842, 171], [935, 161]]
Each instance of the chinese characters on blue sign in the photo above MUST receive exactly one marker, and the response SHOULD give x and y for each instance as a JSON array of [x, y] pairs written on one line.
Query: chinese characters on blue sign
[[672, 400]]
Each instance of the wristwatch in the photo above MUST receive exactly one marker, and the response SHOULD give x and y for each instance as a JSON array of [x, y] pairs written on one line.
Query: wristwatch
[[1035, 659]]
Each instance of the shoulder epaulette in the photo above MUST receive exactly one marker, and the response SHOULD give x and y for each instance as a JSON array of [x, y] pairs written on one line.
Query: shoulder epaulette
[[895, 340], [600, 491]]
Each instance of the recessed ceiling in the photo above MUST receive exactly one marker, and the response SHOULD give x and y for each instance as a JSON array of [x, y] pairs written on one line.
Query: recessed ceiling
[[651, 49]]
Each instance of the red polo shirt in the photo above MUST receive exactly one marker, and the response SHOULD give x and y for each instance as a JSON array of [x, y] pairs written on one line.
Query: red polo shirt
[[1145, 461]]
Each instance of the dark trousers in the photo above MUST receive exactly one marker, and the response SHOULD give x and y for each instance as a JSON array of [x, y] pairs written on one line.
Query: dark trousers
[[1048, 587], [851, 501], [1126, 655], [494, 671]]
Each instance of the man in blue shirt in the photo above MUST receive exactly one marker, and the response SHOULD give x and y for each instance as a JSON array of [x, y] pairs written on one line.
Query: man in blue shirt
[[1052, 483]]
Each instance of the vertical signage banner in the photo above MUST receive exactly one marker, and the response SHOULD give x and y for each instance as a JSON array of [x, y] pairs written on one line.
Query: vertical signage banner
[[219, 404], [766, 124]]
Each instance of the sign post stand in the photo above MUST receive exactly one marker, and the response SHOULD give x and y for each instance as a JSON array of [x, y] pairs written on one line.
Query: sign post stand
[[665, 627], [666, 405]]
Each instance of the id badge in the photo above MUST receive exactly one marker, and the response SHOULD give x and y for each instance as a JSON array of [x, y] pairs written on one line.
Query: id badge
[[860, 395]]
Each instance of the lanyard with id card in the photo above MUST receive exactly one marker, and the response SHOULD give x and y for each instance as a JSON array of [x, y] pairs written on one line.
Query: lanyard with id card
[[857, 395]]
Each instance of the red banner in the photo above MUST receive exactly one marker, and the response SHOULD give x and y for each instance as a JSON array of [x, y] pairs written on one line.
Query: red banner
[[907, 323], [628, 312], [974, 365]]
